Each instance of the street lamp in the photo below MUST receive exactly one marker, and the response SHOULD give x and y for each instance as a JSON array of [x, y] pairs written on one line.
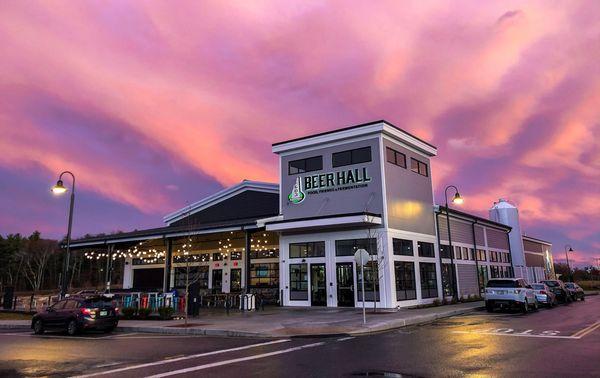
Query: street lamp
[[57, 189], [567, 255], [457, 199]]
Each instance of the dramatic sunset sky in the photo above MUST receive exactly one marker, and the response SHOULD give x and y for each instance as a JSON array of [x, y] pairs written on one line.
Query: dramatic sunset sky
[[155, 103]]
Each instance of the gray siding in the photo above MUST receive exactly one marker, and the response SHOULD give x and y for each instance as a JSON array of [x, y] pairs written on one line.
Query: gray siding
[[409, 195], [532, 259], [479, 238], [369, 198], [467, 279], [461, 231], [533, 246], [497, 239]]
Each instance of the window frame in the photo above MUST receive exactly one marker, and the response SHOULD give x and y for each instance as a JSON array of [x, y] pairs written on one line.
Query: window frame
[[301, 282], [395, 157], [309, 246], [420, 165], [401, 243], [400, 282], [420, 250], [425, 281], [305, 161], [352, 160]]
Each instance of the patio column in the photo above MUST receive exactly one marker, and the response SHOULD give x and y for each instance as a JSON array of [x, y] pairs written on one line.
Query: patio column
[[248, 247], [167, 275], [109, 264]]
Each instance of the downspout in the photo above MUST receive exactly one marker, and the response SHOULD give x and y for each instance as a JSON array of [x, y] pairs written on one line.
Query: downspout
[[476, 258]]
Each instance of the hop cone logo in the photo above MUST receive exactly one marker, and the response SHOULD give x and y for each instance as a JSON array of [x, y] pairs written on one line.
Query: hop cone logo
[[297, 195]]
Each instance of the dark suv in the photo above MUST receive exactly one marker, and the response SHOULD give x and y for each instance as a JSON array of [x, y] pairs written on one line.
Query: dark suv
[[75, 314], [558, 287]]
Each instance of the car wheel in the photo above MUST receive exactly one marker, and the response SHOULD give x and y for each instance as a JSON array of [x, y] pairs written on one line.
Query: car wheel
[[72, 328], [535, 305], [38, 327], [525, 307]]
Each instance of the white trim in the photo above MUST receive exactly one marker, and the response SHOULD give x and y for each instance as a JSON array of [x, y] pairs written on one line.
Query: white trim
[[343, 135], [533, 240], [220, 197], [336, 221], [382, 162]]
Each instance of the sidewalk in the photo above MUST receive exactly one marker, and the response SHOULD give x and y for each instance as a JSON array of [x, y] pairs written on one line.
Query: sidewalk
[[288, 322]]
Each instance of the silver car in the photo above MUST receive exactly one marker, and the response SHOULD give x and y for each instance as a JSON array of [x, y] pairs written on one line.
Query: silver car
[[543, 294]]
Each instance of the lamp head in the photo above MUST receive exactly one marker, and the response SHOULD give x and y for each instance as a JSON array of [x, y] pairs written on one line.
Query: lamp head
[[458, 199], [59, 188], [570, 249]]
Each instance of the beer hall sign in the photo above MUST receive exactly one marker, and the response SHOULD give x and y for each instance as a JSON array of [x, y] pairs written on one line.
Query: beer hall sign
[[328, 182]]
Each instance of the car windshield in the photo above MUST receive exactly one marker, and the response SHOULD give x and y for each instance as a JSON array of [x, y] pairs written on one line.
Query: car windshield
[[502, 283], [538, 286], [97, 302], [551, 283]]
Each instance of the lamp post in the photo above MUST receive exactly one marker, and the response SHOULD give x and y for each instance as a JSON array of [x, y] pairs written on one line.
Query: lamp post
[[457, 199], [567, 256], [59, 188]]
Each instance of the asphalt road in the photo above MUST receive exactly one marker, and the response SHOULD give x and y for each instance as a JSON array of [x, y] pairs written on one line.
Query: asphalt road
[[561, 342]]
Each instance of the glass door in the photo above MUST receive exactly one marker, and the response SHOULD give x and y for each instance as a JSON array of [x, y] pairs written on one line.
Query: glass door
[[217, 280], [345, 284], [318, 287]]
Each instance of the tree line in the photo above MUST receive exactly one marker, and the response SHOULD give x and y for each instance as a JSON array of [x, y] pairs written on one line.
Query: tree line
[[33, 264]]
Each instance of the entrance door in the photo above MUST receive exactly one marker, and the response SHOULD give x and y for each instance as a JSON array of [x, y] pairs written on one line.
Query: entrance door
[[236, 280], [318, 287], [345, 284], [217, 280]]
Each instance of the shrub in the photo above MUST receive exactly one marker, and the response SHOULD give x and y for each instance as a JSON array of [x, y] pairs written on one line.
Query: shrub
[[128, 312], [165, 313], [437, 302], [144, 313]]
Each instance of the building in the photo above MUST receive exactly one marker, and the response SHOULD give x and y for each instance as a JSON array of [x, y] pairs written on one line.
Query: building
[[362, 187]]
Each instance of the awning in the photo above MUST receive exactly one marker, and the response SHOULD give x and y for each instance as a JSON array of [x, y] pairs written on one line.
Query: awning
[[320, 222]]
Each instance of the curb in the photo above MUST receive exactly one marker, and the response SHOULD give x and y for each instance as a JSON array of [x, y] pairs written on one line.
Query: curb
[[400, 323], [14, 326]]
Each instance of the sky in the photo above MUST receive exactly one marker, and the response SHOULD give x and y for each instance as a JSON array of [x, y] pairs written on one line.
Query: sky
[[157, 104]]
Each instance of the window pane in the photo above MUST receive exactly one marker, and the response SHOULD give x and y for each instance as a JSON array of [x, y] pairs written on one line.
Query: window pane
[[314, 164], [402, 247], [445, 251], [297, 250], [297, 166], [405, 280], [349, 247], [316, 249], [298, 282], [428, 280], [401, 159], [390, 155], [426, 249], [361, 155], [341, 158], [414, 165], [371, 270]]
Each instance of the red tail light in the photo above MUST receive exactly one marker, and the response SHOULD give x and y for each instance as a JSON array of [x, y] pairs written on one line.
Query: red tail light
[[543, 292], [88, 311]]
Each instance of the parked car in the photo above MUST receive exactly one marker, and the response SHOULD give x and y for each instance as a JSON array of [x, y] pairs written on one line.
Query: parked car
[[575, 290], [559, 289], [75, 314], [509, 293], [543, 294]]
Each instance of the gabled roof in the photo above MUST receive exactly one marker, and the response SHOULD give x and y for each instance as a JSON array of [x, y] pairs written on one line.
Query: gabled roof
[[220, 197], [362, 130]]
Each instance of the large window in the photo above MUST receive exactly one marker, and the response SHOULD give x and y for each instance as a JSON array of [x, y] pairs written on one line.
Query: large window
[[425, 249], [299, 282], [264, 275], [359, 155], [405, 280], [303, 250], [371, 281], [481, 256], [403, 247], [197, 274], [395, 157], [418, 166], [305, 165], [428, 280], [349, 247]]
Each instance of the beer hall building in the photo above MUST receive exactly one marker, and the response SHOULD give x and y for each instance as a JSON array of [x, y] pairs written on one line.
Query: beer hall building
[[362, 187]]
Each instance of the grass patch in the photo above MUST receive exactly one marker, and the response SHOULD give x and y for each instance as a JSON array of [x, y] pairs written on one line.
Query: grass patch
[[14, 316]]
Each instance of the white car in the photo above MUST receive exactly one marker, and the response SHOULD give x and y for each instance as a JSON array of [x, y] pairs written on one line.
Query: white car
[[508, 293]]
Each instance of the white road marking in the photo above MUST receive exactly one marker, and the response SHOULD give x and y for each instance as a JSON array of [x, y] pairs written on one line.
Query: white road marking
[[161, 362], [553, 334], [515, 334], [345, 338], [587, 330], [233, 361]]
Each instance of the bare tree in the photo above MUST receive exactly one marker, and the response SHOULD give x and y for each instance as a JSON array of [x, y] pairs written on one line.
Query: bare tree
[[35, 257]]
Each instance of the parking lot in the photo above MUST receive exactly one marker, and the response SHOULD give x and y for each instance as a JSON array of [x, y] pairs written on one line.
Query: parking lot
[[563, 341]]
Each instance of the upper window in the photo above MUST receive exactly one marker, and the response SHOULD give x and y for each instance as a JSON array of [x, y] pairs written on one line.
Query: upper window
[[445, 251], [403, 247], [359, 155], [425, 249], [305, 165], [302, 250], [349, 247], [418, 167], [395, 157]]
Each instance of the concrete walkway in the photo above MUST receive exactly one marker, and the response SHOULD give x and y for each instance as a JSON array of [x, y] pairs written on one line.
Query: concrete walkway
[[287, 322]]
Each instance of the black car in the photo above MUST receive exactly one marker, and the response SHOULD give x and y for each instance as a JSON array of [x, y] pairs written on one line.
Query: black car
[[558, 287], [575, 290], [75, 314]]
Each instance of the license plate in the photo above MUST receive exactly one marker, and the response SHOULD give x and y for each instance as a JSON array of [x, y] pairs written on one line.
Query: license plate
[[500, 291], [103, 313]]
